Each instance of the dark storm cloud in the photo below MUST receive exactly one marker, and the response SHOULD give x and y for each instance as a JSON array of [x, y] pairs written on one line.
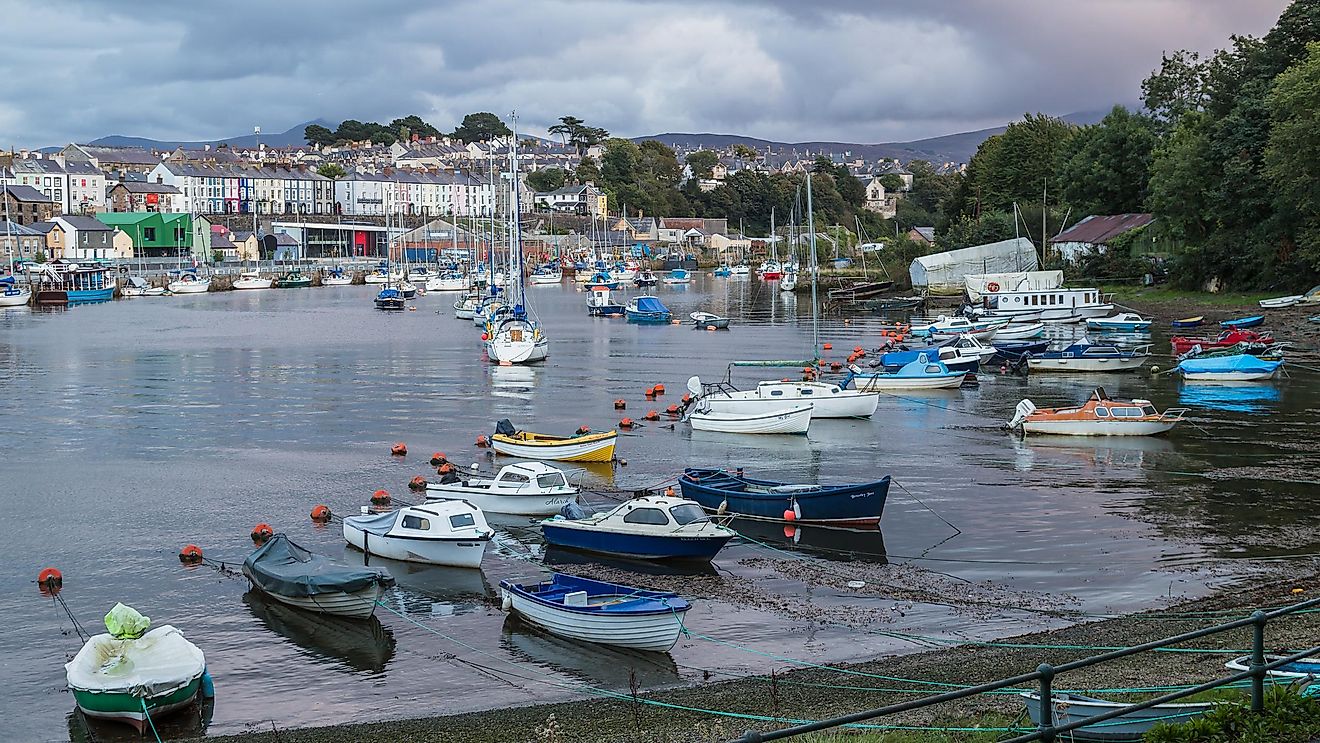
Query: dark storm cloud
[[830, 69]]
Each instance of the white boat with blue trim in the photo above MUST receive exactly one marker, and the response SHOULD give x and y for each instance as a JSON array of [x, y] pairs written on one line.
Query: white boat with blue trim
[[599, 612]]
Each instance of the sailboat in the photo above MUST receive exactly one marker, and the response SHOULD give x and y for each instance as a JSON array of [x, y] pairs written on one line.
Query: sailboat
[[517, 338], [391, 297], [12, 295]]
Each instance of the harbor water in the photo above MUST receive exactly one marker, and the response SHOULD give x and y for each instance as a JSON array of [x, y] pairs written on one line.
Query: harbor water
[[135, 427]]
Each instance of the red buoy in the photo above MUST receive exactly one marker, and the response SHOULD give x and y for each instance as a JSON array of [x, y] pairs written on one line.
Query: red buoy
[[583, 430], [261, 533], [651, 415], [190, 555], [50, 581], [620, 404], [320, 514], [659, 389], [789, 515], [438, 459], [417, 483], [483, 442], [687, 398], [827, 346], [672, 409], [650, 393], [380, 498], [399, 450], [626, 423]]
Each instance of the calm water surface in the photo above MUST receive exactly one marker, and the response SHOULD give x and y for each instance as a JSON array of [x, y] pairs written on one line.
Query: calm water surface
[[138, 426]]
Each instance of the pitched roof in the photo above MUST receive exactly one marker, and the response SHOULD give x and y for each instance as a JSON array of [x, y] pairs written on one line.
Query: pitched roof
[[42, 227], [220, 241], [17, 230], [682, 223], [147, 187], [1097, 230], [126, 155], [84, 223], [284, 238], [28, 193]]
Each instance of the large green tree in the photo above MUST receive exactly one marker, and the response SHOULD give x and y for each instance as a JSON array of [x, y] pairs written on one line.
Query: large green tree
[[1292, 156], [406, 126], [547, 179], [315, 134], [481, 126], [1105, 169], [575, 131], [702, 163]]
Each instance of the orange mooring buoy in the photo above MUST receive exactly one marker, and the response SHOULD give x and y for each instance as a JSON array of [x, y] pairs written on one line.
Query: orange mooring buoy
[[626, 423], [380, 498], [190, 555], [50, 581], [320, 514], [399, 450], [483, 442], [262, 532], [438, 459], [620, 404], [651, 415], [659, 389], [417, 483]]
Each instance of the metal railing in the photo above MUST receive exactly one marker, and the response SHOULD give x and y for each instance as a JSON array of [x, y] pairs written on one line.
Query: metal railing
[[1044, 676]]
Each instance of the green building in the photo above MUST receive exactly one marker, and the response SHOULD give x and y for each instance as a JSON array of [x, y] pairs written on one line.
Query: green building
[[154, 234]]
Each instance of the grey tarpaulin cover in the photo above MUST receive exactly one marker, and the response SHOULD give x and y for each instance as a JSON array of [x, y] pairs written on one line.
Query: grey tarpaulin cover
[[282, 567]]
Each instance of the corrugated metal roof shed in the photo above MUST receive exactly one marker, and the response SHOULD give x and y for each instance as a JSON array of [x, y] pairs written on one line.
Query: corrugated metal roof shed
[[1098, 230]]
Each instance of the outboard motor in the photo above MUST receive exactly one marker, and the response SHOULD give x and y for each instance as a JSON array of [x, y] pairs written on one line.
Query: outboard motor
[[505, 428], [573, 512]]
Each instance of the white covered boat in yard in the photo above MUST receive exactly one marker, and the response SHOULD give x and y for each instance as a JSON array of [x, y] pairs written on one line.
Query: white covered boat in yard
[[523, 489], [446, 532]]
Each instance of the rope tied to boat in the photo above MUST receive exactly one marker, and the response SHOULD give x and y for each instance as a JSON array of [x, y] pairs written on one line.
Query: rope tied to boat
[[151, 723]]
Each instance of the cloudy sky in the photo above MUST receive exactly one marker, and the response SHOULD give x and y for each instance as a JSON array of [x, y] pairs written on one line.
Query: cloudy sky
[[796, 70]]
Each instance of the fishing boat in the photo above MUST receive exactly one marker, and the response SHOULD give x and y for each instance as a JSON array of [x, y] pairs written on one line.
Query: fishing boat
[[1084, 356], [1238, 368], [786, 418], [826, 400], [1100, 415], [644, 279], [646, 528], [136, 286], [1226, 339], [723, 271], [1124, 322], [647, 309], [1279, 303], [292, 575], [294, 279], [1019, 331], [924, 373], [250, 280], [1188, 322], [677, 277], [60, 282], [1130, 727], [601, 304], [132, 673], [709, 320], [449, 281], [389, 298], [522, 489], [599, 612], [189, 283], [856, 504], [587, 447], [546, 275], [1243, 322], [446, 532]]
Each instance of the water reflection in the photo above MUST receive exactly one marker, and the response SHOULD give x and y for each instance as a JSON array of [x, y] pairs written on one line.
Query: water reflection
[[1233, 397], [598, 665], [1091, 451], [357, 645], [841, 545], [565, 559]]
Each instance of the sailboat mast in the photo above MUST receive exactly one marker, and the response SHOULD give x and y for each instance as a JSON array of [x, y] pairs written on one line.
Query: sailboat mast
[[515, 205], [815, 310]]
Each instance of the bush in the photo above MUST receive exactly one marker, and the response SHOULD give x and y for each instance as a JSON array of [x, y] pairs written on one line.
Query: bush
[[1289, 717]]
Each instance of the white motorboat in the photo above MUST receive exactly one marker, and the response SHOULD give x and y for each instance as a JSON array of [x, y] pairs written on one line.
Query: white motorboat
[[1124, 322], [1098, 416], [381, 276], [136, 286], [447, 282], [740, 269], [826, 400], [924, 373], [336, 278], [190, 283], [252, 280], [1083, 356], [946, 328], [446, 532], [787, 418], [14, 296], [1279, 303], [546, 276], [522, 489], [1017, 331], [788, 282]]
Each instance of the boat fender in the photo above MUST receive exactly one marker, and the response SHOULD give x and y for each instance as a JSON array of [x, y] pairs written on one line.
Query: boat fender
[[506, 601], [208, 685], [789, 515], [659, 389], [797, 510]]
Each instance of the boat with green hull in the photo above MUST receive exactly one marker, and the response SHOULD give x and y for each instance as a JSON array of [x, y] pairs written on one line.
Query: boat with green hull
[[293, 280]]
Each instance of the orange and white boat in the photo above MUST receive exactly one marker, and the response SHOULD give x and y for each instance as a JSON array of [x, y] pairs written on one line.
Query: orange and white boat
[[1098, 416]]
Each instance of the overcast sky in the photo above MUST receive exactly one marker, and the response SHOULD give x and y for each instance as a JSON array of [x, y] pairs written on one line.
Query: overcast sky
[[795, 70]]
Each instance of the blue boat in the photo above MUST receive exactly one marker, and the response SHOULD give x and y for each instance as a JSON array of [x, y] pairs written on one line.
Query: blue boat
[[72, 283], [647, 309], [603, 278], [389, 298], [599, 612], [1188, 322], [832, 505], [1017, 349], [724, 270], [1243, 322], [1235, 368], [647, 528], [600, 303], [923, 373]]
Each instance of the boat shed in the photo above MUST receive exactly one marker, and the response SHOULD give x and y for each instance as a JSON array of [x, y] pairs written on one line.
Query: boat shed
[[944, 273], [1095, 232]]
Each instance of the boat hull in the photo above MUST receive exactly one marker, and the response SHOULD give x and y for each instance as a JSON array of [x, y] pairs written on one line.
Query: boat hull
[[393, 304], [882, 382], [854, 505], [635, 546], [516, 505], [459, 553], [518, 352], [1231, 376], [847, 404], [563, 450], [656, 632], [126, 707], [336, 280], [356, 605], [794, 420], [250, 284], [181, 287], [1079, 364], [1098, 427], [1070, 708]]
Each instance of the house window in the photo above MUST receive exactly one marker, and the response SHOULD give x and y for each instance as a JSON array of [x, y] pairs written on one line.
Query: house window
[[149, 234]]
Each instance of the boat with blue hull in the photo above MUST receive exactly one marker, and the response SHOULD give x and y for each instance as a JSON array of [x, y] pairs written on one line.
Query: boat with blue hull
[[1243, 322], [647, 309], [389, 298], [1017, 349], [59, 282], [647, 528], [599, 612], [718, 490]]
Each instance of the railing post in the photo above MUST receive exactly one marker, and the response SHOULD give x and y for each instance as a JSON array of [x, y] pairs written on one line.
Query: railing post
[[1046, 672], [1258, 661]]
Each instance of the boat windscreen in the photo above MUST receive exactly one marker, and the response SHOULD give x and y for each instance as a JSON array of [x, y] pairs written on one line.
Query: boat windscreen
[[687, 513]]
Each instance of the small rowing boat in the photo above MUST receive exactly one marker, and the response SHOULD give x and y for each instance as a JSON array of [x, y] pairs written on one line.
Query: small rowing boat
[[1130, 726], [599, 612], [586, 447], [1124, 322], [793, 417], [1188, 322], [1243, 322], [858, 504], [709, 319], [1279, 303]]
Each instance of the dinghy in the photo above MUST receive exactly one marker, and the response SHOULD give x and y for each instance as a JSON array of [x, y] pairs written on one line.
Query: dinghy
[[1098, 416], [787, 418], [709, 319], [1279, 303], [588, 447], [292, 575], [1300, 669], [446, 532], [523, 489], [1131, 726], [924, 373], [1188, 322], [1019, 331], [1243, 322], [599, 612], [294, 279], [130, 672], [717, 490], [1226, 339], [646, 528], [1239, 368], [1124, 322]]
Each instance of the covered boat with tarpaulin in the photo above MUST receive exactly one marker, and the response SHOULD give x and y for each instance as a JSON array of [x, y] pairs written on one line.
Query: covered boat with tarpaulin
[[292, 575]]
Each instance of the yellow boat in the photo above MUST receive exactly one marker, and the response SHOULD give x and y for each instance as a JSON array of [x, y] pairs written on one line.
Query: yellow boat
[[588, 447]]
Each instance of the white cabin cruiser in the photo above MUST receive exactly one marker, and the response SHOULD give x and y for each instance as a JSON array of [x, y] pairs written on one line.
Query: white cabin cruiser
[[522, 489], [449, 532], [826, 400]]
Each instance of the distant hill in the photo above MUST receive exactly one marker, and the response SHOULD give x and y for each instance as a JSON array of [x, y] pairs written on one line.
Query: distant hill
[[947, 148], [290, 137]]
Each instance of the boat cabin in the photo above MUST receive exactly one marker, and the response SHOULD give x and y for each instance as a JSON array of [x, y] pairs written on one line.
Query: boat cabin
[[1043, 299], [657, 511]]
